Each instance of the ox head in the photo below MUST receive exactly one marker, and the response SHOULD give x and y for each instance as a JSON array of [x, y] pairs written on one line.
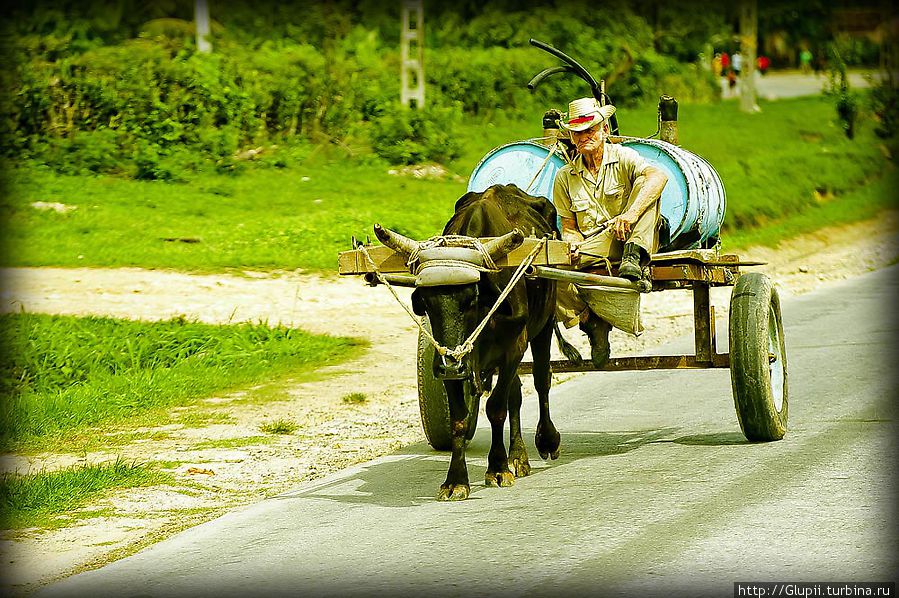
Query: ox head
[[447, 290]]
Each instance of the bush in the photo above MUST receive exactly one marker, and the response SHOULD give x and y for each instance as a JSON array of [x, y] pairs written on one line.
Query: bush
[[129, 94], [885, 106], [84, 152], [406, 136]]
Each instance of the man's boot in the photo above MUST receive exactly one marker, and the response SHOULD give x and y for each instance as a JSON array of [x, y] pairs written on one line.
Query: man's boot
[[630, 262], [597, 330]]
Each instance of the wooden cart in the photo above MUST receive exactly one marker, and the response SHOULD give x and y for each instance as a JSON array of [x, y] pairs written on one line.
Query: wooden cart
[[757, 356]]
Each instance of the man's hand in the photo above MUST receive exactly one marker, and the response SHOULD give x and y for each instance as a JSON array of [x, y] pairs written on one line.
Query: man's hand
[[622, 225]]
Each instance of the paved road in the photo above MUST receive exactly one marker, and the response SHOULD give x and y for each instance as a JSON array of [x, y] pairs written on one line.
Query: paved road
[[790, 84], [656, 493]]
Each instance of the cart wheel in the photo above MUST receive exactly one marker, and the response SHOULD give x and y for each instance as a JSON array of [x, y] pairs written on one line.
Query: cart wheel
[[433, 402], [758, 358]]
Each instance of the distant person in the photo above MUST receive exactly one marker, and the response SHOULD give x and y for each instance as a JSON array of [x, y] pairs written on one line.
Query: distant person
[[737, 62], [716, 65], [805, 61], [763, 63], [725, 63]]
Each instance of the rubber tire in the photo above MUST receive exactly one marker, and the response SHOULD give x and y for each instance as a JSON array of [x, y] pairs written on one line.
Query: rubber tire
[[760, 387], [433, 403]]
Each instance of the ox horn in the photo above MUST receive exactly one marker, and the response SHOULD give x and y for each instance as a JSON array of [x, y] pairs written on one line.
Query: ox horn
[[497, 248], [402, 245]]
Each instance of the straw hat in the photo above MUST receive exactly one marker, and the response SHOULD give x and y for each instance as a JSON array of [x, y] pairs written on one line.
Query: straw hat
[[585, 113]]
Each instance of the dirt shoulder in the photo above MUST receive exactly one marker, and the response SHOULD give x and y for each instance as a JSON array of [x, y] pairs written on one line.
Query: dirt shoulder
[[228, 464]]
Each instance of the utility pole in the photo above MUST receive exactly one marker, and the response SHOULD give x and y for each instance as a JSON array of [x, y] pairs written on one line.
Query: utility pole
[[412, 42], [201, 17], [749, 18]]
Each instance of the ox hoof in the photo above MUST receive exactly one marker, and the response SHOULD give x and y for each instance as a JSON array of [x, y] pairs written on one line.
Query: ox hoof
[[520, 467], [502, 479], [453, 492], [546, 456]]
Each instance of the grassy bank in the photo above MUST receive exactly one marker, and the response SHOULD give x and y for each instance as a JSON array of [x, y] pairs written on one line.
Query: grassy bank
[[779, 166], [65, 376], [48, 499]]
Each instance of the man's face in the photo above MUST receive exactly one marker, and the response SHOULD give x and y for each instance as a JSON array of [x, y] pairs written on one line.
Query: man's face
[[589, 140]]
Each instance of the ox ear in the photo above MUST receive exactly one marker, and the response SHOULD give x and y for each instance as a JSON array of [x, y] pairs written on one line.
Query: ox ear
[[418, 304]]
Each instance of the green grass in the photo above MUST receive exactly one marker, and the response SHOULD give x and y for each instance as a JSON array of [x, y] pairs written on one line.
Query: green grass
[[864, 203], [232, 442], [280, 426], [65, 375], [772, 163], [354, 398], [47, 499]]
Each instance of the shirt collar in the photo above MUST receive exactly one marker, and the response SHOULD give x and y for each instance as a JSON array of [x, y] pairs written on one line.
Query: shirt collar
[[609, 156]]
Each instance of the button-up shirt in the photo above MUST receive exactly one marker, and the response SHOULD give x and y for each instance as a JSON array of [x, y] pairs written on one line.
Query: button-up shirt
[[592, 200]]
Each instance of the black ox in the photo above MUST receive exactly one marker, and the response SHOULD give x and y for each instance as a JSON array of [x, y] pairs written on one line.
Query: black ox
[[457, 304]]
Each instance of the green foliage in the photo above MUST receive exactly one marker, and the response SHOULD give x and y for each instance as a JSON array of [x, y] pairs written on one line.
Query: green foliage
[[279, 426], [63, 375], [123, 91], [45, 498], [804, 161], [355, 398], [845, 101], [405, 136], [776, 164], [885, 107]]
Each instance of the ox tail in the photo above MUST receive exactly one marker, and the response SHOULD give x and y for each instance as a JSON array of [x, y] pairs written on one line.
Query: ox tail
[[568, 350]]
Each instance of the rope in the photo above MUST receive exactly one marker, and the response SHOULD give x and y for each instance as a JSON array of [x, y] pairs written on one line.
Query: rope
[[599, 256], [542, 166], [466, 347], [440, 349]]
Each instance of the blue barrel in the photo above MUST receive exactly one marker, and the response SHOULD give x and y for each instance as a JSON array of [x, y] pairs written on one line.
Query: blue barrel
[[527, 165], [693, 201]]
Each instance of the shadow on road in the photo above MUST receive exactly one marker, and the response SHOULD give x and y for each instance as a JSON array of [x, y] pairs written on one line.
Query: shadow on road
[[411, 476], [719, 439]]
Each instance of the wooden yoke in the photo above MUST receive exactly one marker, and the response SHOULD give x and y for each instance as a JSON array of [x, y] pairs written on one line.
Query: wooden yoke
[[554, 253]]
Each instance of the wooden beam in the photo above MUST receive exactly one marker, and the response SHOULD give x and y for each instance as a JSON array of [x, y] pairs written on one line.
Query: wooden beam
[[639, 363], [353, 262]]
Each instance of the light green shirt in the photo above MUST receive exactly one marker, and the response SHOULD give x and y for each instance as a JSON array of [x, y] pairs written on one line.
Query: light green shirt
[[576, 194]]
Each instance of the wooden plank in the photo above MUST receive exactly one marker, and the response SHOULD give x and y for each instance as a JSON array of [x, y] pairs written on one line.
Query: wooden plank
[[697, 272], [387, 260], [638, 363], [703, 256]]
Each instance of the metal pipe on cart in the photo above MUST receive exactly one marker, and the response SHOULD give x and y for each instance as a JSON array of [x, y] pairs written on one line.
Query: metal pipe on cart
[[583, 278]]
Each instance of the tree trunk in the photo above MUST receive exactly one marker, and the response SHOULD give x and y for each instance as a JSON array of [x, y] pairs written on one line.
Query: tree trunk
[[748, 37]]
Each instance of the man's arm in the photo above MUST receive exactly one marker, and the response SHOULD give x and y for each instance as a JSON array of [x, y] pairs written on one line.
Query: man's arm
[[654, 181], [562, 200], [570, 231]]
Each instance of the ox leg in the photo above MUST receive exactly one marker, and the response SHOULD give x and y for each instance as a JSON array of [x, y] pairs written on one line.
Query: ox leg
[[456, 486], [547, 438], [498, 472], [518, 454]]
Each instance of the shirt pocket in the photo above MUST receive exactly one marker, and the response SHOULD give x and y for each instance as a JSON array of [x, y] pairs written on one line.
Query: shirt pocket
[[613, 197], [584, 212], [613, 190]]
